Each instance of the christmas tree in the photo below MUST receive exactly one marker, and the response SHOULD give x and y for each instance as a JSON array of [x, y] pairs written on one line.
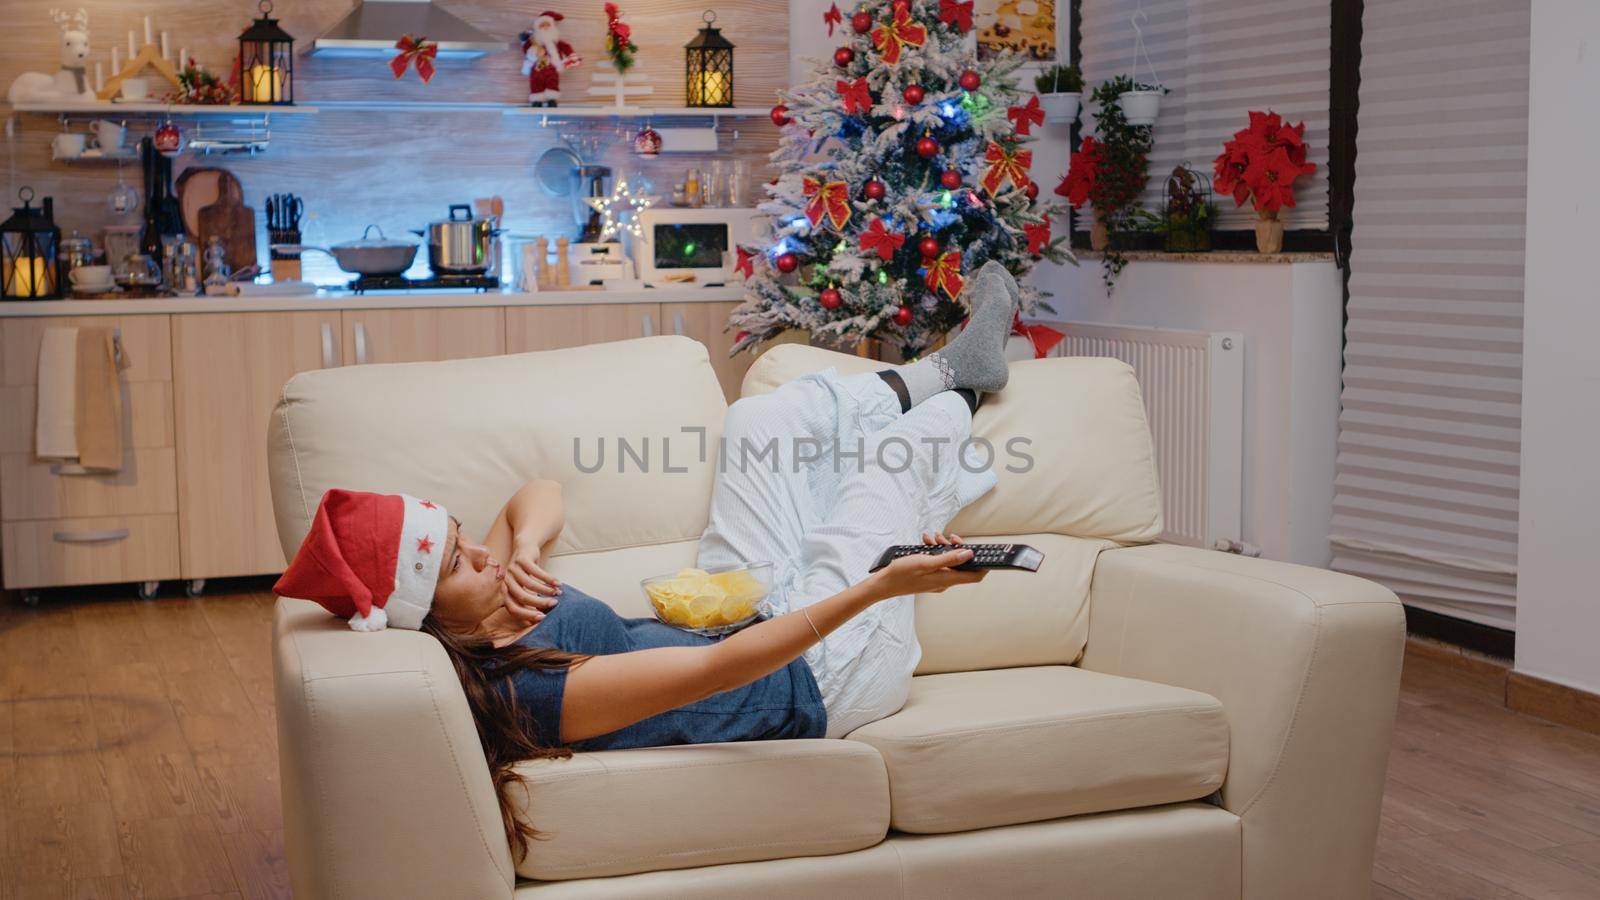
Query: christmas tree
[[902, 168]]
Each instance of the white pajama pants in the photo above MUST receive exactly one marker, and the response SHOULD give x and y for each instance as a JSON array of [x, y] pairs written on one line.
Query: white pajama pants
[[819, 477]]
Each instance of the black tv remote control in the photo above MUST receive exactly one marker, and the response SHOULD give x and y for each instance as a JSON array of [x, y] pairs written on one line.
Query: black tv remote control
[[984, 556]]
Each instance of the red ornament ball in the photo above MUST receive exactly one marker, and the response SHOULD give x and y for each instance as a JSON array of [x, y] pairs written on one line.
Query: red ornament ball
[[780, 115], [950, 178], [875, 190], [861, 22], [927, 148], [903, 316], [914, 94], [740, 336], [929, 246], [1032, 190], [843, 56], [830, 299], [788, 262], [969, 80]]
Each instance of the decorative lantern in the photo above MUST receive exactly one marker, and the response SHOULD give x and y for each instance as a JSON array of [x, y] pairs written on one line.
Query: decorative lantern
[[1188, 213], [709, 66], [29, 246], [266, 61]]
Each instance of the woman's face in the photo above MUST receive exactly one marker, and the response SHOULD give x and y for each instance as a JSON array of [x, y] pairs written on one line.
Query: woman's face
[[471, 583]]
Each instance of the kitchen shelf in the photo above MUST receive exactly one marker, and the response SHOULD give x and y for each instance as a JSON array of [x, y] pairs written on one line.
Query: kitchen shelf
[[558, 113], [158, 108]]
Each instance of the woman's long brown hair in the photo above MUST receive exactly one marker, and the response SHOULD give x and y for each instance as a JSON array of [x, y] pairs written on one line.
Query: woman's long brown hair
[[485, 672]]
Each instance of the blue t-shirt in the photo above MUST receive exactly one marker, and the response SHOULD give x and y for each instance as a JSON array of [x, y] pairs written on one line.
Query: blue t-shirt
[[784, 704]]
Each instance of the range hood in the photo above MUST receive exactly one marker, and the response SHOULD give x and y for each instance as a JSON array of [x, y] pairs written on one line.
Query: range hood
[[373, 26]]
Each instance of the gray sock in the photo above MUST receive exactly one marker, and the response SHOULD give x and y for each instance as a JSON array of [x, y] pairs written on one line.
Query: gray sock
[[975, 358]]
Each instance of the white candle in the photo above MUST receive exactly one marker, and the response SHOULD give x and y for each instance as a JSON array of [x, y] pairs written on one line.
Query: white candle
[[183, 58], [116, 61], [166, 52], [133, 46], [149, 36], [100, 76]]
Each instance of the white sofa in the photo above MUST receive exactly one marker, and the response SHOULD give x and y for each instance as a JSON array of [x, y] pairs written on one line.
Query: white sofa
[[1134, 720]]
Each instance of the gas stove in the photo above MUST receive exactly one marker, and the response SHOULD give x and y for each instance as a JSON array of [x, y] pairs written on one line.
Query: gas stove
[[468, 282]]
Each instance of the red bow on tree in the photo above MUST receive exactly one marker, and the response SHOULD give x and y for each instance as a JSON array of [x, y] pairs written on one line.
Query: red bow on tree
[[890, 37], [1006, 163], [832, 17], [956, 15], [746, 264], [944, 274], [829, 201], [1038, 236], [1043, 337], [419, 50], [856, 96], [877, 239], [1024, 117]]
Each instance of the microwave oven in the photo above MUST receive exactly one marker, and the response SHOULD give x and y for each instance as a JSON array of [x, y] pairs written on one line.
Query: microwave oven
[[693, 246]]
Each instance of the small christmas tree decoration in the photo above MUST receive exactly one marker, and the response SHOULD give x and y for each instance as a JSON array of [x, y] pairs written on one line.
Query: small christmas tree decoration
[[828, 201], [914, 94], [956, 15], [619, 40], [780, 115], [1024, 117], [927, 147], [892, 38], [1032, 190], [787, 262], [1006, 163], [879, 240], [1038, 236], [830, 298], [855, 96], [903, 316], [970, 81], [950, 179], [861, 22], [875, 190], [928, 246], [843, 56], [944, 274]]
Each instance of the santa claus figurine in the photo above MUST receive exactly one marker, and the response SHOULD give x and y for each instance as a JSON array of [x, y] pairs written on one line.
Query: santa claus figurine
[[544, 55]]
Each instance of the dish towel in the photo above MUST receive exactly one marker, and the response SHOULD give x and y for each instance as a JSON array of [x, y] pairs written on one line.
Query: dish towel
[[98, 414], [55, 431]]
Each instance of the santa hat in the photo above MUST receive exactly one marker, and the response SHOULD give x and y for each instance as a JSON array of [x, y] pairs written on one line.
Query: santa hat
[[371, 558], [548, 14]]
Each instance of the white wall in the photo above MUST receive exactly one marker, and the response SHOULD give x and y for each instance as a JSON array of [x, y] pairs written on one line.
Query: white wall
[[1558, 603], [808, 36]]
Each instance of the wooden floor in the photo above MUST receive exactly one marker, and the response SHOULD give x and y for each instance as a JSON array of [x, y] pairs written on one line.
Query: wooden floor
[[137, 758]]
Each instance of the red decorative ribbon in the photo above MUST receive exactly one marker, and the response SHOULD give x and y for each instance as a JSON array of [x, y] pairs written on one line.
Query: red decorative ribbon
[[746, 264], [1024, 117], [879, 240], [832, 17], [1038, 236], [856, 97], [618, 29], [417, 50], [1043, 337], [1005, 164], [956, 15], [944, 274], [829, 201], [890, 37]]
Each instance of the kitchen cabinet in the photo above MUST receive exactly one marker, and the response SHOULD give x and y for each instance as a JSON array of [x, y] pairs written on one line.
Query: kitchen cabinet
[[421, 335], [229, 370], [553, 327], [705, 322]]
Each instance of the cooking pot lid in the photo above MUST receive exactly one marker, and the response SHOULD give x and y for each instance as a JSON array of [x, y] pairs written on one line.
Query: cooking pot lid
[[368, 243]]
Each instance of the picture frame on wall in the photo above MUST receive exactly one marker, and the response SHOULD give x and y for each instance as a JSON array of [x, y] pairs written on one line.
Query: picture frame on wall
[[1027, 27]]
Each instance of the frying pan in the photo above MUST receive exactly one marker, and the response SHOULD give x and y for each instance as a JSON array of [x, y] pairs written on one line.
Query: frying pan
[[368, 256]]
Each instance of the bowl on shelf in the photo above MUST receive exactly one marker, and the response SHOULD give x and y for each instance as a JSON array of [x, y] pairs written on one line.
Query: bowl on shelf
[[711, 602]]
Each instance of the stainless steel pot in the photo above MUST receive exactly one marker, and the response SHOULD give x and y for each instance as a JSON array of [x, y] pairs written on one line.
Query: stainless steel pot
[[368, 256], [461, 243]]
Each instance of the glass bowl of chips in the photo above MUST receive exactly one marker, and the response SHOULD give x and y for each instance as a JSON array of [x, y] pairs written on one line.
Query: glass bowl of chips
[[711, 602]]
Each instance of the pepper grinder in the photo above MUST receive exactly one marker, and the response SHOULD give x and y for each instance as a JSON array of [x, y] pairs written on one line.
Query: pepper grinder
[[563, 263], [541, 255]]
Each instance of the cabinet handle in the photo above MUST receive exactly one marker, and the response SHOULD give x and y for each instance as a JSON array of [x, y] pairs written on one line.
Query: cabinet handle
[[677, 323], [75, 469], [327, 346], [648, 325], [361, 344], [91, 537]]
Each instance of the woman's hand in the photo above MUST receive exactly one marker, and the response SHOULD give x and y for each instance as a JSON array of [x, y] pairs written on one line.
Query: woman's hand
[[531, 591], [926, 573]]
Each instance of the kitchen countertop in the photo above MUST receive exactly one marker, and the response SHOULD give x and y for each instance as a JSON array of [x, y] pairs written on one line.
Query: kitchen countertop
[[345, 300]]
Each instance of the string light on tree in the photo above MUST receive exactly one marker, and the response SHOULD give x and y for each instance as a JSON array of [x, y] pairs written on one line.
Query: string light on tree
[[619, 212]]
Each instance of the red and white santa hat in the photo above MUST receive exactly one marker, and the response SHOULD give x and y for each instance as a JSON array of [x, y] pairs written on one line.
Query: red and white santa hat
[[549, 14], [371, 558]]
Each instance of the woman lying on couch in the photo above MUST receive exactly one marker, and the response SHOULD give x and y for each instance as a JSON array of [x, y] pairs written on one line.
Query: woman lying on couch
[[548, 669]]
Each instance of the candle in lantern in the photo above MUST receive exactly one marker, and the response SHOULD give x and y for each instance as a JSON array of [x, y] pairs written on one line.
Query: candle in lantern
[[713, 87], [266, 83], [166, 51], [27, 278]]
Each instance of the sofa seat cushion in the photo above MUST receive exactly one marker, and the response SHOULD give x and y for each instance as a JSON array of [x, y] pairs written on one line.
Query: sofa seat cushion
[[980, 749], [616, 812]]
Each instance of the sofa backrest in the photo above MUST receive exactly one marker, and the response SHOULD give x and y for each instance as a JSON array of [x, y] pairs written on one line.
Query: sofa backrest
[[467, 433], [1092, 484]]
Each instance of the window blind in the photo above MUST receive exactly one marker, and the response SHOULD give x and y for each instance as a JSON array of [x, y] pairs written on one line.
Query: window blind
[[1426, 494]]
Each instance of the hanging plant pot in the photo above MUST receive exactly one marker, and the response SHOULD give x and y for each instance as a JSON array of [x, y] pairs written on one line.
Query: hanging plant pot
[[1061, 109], [1099, 234], [1269, 236], [1141, 107]]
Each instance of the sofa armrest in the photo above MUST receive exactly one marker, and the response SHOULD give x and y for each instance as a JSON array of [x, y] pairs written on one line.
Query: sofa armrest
[[385, 789], [1306, 663]]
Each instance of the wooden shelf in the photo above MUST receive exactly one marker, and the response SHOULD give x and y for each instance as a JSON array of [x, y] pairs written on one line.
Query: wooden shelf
[[557, 113], [158, 108], [641, 112]]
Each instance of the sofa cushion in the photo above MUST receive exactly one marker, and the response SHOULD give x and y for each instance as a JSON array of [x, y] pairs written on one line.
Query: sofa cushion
[[1012, 618], [979, 749], [469, 432], [613, 575], [1080, 419], [619, 811]]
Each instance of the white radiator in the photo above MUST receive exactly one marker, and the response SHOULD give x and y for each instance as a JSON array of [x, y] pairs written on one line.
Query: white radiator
[[1193, 386]]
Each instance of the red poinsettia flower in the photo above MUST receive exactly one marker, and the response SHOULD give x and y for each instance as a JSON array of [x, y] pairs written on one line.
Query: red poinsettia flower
[[1081, 173], [1270, 177], [1262, 162]]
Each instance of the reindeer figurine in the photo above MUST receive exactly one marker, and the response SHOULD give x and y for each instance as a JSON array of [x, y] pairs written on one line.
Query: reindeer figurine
[[70, 81]]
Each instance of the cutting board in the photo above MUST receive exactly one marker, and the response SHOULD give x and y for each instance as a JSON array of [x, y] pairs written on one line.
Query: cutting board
[[233, 222], [198, 188]]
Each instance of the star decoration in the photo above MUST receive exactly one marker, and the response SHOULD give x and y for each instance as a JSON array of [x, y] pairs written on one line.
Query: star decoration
[[424, 544], [620, 211]]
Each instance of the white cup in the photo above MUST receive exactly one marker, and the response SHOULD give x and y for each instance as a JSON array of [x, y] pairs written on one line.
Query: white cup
[[109, 135], [69, 145], [135, 88], [89, 278]]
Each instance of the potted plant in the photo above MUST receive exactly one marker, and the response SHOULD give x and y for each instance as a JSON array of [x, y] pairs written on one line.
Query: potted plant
[[1262, 163], [1109, 170], [1059, 90], [1141, 103]]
